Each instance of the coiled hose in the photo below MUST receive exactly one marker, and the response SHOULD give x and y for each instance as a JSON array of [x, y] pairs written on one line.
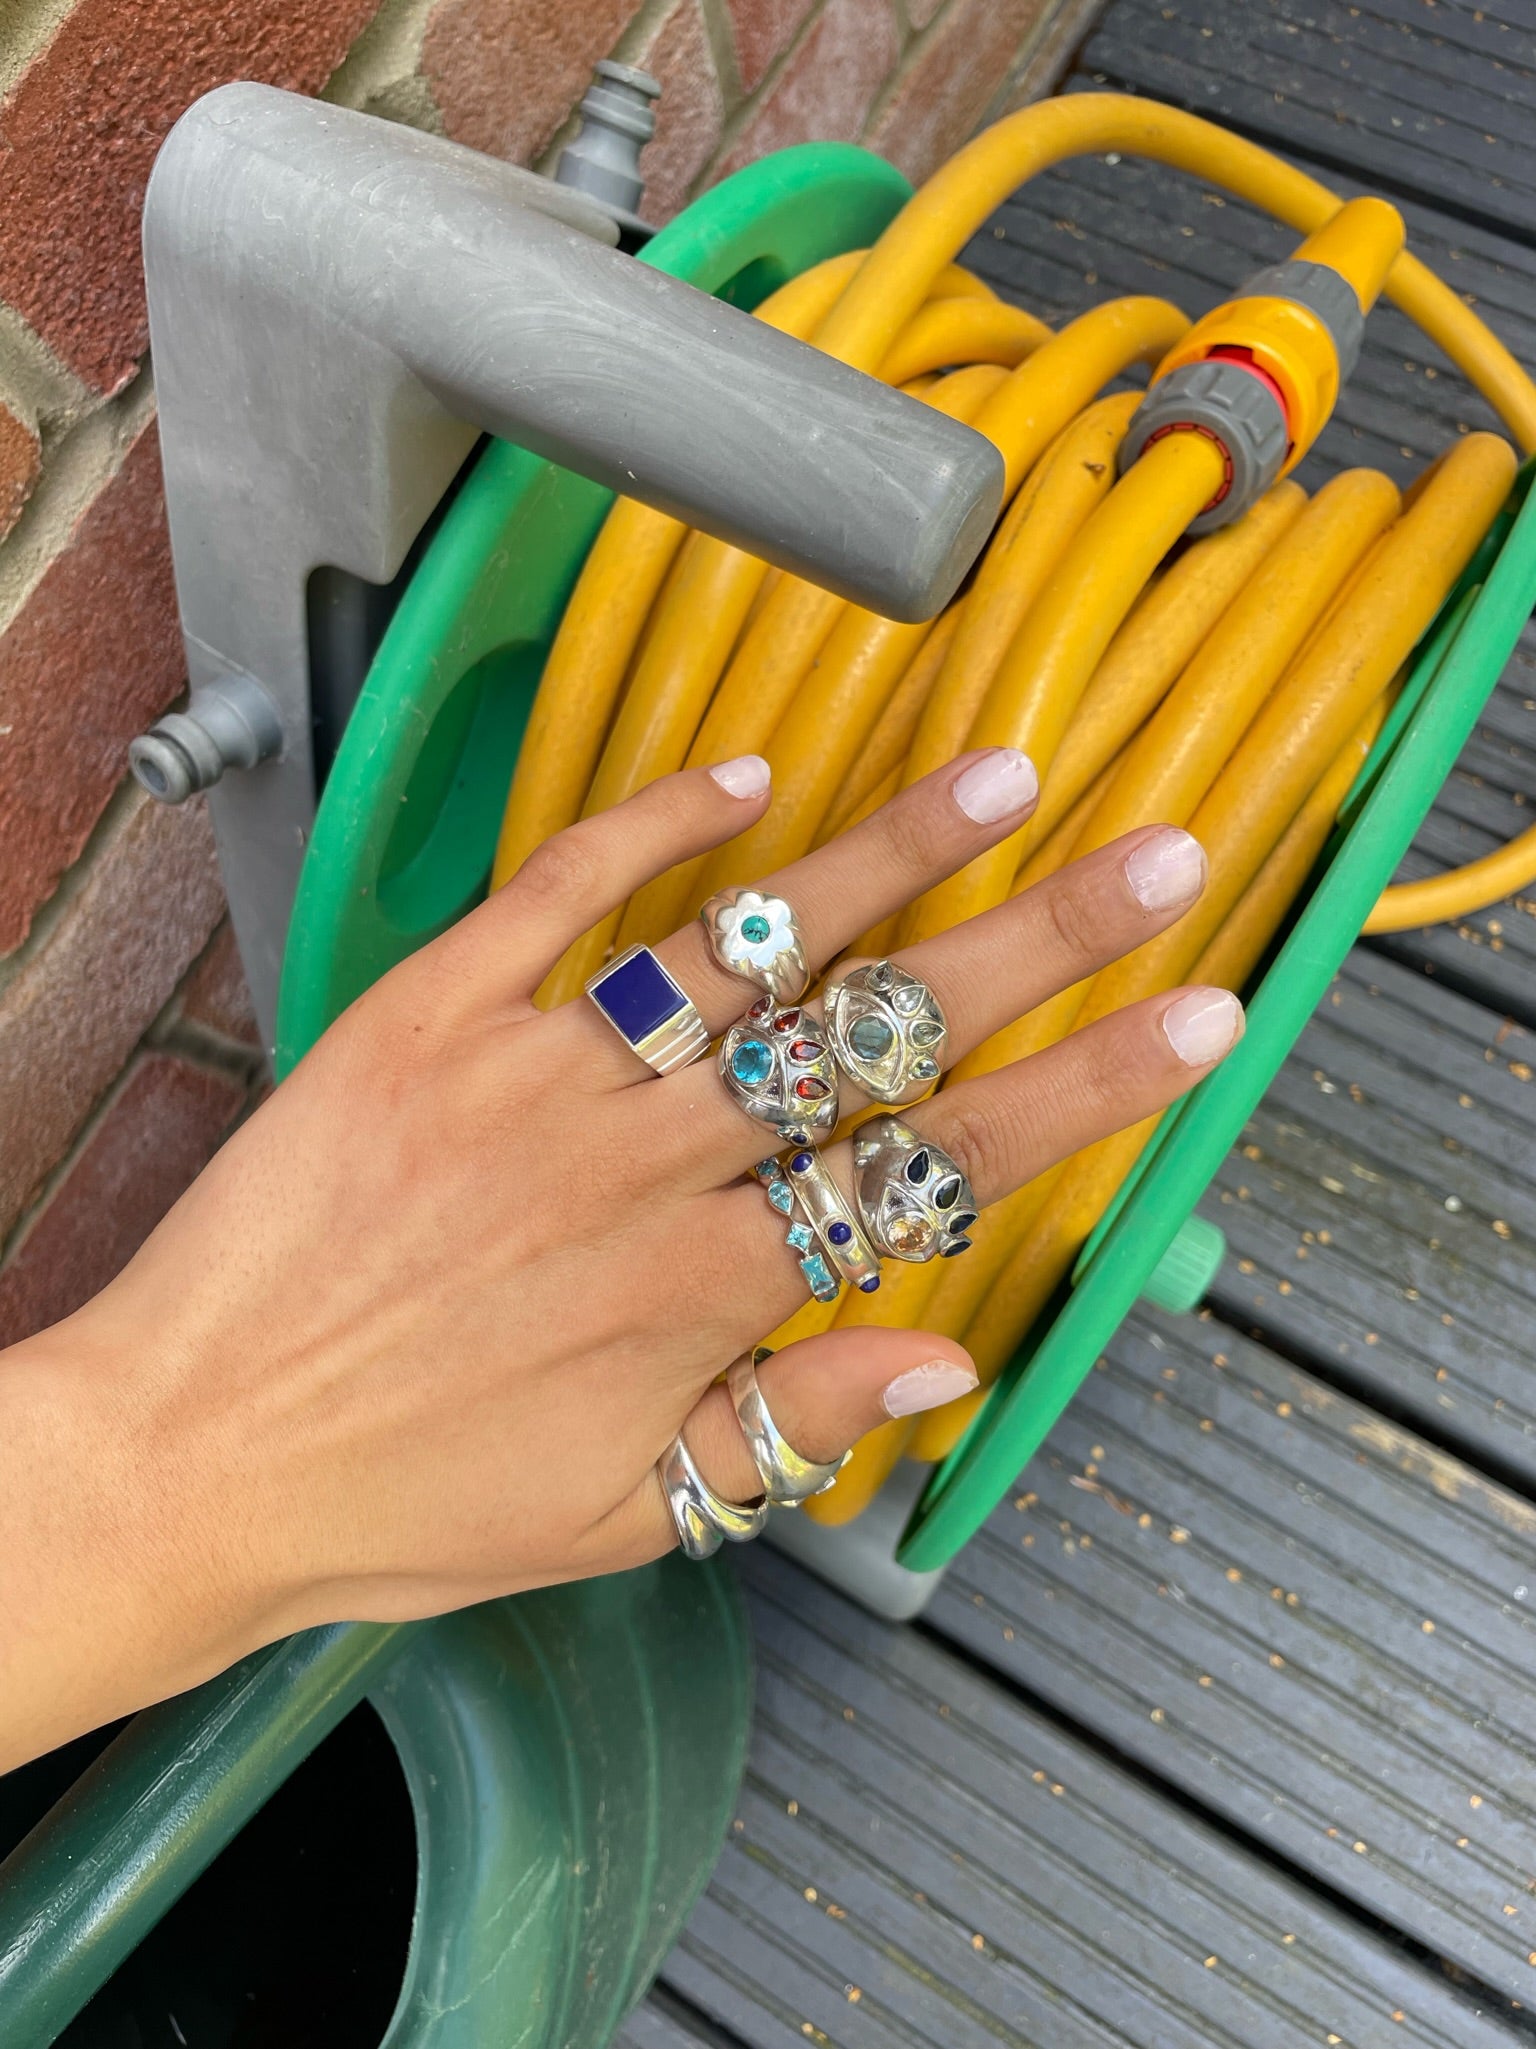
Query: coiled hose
[[1232, 683]]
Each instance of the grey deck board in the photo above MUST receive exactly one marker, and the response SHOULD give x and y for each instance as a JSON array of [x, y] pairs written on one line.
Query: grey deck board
[[657, 2024], [912, 1834], [1093, 230], [1433, 102], [1315, 1621], [1382, 1213]]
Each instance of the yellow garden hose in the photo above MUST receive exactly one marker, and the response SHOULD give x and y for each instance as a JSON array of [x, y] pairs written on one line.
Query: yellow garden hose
[[1230, 680]]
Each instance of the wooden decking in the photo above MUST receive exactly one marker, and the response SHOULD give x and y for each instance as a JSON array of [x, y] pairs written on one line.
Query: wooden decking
[[1222, 1731]]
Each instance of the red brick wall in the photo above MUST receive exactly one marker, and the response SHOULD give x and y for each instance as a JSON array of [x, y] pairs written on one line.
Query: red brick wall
[[126, 1044]]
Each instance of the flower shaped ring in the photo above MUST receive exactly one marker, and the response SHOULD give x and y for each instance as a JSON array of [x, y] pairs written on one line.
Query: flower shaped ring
[[758, 937]]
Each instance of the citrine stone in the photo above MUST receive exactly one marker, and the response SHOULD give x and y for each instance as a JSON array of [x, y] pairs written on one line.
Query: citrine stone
[[908, 1234], [755, 929], [871, 1038], [917, 1166], [752, 1063], [947, 1194]]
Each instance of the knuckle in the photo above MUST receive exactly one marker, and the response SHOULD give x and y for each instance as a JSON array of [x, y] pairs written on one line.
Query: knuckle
[[977, 1135], [910, 836], [565, 870], [1077, 919]]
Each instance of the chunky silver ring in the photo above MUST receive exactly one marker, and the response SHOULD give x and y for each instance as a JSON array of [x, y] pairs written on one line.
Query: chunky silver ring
[[759, 937], [800, 1238], [914, 1201], [887, 1030], [776, 1066], [833, 1219], [702, 1520], [788, 1479], [650, 1012]]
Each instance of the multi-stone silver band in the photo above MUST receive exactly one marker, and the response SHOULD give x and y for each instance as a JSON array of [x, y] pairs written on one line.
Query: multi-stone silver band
[[787, 1478], [834, 1220], [914, 1202], [887, 1030], [758, 937], [702, 1520], [651, 1012], [800, 1237], [776, 1066]]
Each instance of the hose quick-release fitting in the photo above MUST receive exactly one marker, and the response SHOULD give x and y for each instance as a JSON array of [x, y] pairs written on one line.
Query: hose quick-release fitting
[[1261, 374]]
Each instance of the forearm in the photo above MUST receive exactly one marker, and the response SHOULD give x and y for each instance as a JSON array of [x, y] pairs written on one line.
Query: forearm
[[115, 1591]]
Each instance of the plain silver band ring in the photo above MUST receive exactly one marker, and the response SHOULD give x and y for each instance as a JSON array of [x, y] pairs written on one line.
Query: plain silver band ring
[[702, 1520], [787, 1478]]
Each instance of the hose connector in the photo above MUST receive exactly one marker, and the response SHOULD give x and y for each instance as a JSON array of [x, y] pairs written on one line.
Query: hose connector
[[229, 724], [603, 161], [1261, 374]]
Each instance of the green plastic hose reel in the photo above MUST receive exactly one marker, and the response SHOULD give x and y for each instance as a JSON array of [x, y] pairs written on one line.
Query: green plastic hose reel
[[572, 1755]]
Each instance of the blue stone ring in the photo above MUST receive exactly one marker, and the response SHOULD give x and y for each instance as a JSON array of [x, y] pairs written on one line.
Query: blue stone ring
[[776, 1066], [887, 1030], [649, 1011], [758, 937], [826, 1220]]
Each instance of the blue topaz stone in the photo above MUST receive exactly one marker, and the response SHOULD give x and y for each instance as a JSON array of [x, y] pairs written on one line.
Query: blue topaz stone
[[820, 1278], [801, 1236], [752, 1063], [782, 1196]]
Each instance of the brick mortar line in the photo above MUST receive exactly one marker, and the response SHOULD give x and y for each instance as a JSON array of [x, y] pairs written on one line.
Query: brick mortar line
[[381, 73], [30, 27], [56, 908]]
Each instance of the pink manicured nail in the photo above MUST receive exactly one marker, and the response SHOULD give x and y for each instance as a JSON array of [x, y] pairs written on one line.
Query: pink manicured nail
[[1203, 1025], [747, 776], [1001, 785], [1166, 872], [928, 1387]]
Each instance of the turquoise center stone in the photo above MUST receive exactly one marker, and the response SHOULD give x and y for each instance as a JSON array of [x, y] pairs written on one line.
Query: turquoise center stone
[[871, 1037], [752, 1063], [754, 929]]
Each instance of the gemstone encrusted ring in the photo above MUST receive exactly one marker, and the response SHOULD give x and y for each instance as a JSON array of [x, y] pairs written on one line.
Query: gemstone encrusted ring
[[887, 1030], [758, 937], [914, 1202], [776, 1066]]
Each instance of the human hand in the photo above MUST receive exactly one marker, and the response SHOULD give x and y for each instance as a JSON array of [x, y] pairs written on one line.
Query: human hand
[[420, 1333]]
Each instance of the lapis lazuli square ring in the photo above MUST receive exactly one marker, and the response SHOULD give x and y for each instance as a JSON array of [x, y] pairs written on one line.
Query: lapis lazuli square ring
[[648, 1010]]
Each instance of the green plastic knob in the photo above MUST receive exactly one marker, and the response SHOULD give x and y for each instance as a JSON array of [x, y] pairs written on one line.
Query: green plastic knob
[[1179, 1280]]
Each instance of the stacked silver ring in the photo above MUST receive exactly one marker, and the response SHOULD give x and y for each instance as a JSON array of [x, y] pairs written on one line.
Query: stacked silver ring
[[887, 1031], [702, 1519], [758, 937]]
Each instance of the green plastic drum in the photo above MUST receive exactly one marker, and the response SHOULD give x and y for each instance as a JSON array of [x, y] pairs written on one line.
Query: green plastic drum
[[572, 1756]]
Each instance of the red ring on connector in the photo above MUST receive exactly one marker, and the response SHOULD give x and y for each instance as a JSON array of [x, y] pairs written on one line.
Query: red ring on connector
[[1196, 427], [1243, 358]]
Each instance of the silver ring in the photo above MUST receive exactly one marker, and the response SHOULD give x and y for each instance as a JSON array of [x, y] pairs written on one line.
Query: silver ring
[[702, 1520], [833, 1219], [759, 937], [776, 1066], [800, 1238], [651, 1012], [914, 1201], [788, 1479], [887, 1030]]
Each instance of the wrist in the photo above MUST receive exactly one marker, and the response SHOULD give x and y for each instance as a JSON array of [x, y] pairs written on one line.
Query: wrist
[[120, 1585]]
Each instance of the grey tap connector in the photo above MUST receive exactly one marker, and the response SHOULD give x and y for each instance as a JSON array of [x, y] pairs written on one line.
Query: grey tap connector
[[340, 305], [228, 724], [603, 161]]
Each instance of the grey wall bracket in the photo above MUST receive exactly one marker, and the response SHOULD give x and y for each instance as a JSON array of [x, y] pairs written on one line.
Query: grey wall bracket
[[339, 306]]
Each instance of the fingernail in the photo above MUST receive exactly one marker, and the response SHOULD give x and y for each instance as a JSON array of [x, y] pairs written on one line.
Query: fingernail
[[928, 1387], [1000, 785], [1203, 1025], [747, 776], [1167, 871]]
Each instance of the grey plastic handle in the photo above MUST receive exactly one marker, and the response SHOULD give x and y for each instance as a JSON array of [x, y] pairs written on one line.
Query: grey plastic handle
[[339, 304]]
